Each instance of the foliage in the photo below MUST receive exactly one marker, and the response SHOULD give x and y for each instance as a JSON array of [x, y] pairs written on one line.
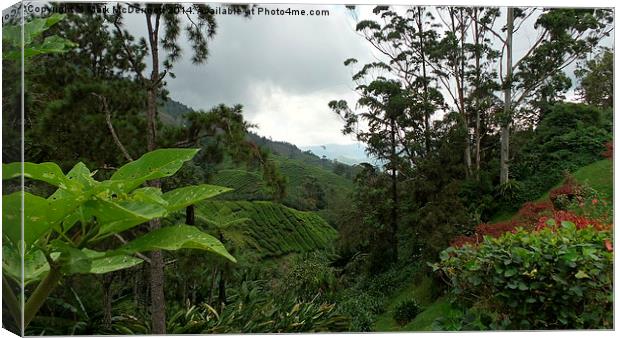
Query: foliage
[[309, 277], [569, 191], [593, 205], [568, 137], [313, 194], [367, 298], [62, 231], [560, 216], [597, 84], [406, 311], [252, 309], [541, 280], [609, 150], [33, 43], [531, 212]]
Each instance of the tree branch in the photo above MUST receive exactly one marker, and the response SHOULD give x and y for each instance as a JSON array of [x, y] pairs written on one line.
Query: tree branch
[[139, 255], [108, 120]]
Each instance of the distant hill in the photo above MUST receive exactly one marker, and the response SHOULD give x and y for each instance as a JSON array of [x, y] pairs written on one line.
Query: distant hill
[[346, 153], [301, 168], [171, 112]]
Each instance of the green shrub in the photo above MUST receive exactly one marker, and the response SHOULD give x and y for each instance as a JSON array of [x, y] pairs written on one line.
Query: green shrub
[[309, 276], [549, 279], [362, 308], [567, 138], [406, 311]]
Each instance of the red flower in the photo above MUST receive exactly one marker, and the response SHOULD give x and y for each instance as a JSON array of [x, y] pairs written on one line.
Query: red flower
[[608, 245], [609, 149], [579, 221]]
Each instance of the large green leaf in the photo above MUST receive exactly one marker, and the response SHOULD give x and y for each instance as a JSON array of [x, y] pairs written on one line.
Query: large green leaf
[[47, 172], [72, 260], [76, 261], [102, 263], [182, 197], [116, 217], [149, 194], [153, 165], [35, 264], [36, 221], [175, 238]]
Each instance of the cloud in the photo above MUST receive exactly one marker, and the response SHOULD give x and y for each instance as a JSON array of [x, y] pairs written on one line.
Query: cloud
[[284, 69], [303, 119]]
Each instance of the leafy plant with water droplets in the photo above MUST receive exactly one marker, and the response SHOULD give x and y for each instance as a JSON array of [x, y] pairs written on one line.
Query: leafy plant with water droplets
[[62, 231]]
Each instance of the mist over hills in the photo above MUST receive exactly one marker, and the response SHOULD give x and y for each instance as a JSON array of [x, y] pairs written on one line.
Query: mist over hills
[[171, 112], [346, 153]]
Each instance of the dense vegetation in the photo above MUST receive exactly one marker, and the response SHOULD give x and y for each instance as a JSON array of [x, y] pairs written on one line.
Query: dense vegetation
[[492, 207]]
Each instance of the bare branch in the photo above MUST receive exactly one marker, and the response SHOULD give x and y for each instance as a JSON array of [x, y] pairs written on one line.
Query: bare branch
[[108, 120], [139, 255]]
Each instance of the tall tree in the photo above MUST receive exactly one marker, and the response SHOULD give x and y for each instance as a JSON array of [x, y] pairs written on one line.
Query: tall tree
[[596, 77], [163, 26], [384, 106], [405, 41], [563, 36]]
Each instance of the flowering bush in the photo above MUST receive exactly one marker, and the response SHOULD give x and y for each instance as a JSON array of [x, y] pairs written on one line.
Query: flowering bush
[[531, 212], [560, 216], [493, 230], [593, 206], [557, 278], [567, 193], [609, 150]]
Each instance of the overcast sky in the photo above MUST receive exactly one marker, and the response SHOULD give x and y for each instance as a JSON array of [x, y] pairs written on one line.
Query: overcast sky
[[282, 69]]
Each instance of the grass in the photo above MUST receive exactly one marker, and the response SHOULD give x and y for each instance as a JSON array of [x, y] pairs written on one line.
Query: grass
[[424, 321], [598, 175], [420, 290]]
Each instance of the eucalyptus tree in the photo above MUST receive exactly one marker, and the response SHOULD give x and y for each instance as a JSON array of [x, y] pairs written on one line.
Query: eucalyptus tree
[[562, 36], [405, 41], [596, 77]]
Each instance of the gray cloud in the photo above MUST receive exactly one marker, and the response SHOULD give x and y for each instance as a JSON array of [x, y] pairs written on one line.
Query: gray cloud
[[284, 69]]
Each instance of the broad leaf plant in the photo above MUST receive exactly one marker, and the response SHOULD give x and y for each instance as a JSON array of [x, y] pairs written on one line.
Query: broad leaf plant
[[61, 232]]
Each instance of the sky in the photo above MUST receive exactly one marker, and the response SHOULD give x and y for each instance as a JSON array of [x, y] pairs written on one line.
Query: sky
[[283, 69]]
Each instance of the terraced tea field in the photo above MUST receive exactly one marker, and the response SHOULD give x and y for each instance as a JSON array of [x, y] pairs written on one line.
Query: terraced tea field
[[276, 230]]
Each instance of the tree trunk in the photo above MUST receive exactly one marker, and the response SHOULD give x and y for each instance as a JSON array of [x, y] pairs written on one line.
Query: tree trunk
[[458, 69], [158, 305], [466, 117], [394, 178], [213, 278], [221, 298], [478, 92], [107, 280], [427, 123], [507, 118], [190, 217]]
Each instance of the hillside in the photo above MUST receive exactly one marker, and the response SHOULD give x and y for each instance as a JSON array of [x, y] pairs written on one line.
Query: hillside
[[331, 180], [597, 175], [171, 112], [346, 153], [275, 230]]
